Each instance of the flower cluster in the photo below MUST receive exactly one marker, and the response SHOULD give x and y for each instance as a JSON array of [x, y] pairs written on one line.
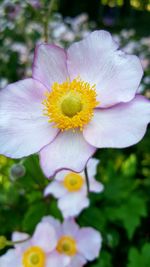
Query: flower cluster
[[77, 101], [53, 245]]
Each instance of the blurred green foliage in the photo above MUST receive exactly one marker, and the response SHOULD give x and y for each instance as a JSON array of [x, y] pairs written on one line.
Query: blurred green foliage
[[122, 212]]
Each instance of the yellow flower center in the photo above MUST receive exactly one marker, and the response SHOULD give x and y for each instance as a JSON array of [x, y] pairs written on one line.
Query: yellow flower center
[[73, 182], [34, 257], [70, 105], [67, 245]]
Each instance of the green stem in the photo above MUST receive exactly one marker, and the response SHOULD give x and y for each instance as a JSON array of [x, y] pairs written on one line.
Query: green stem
[[48, 11], [10, 243], [87, 180]]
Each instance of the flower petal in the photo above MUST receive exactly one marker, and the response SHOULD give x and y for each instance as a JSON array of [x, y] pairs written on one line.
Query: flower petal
[[91, 237], [55, 223], [77, 261], [92, 167], [45, 237], [56, 260], [68, 151], [10, 259], [70, 227], [72, 204], [56, 189], [61, 175], [24, 129], [94, 185], [97, 61], [17, 236], [120, 126], [49, 65]]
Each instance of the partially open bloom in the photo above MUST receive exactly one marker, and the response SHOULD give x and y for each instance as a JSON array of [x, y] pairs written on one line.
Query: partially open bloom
[[38, 251], [77, 101], [79, 245], [71, 189]]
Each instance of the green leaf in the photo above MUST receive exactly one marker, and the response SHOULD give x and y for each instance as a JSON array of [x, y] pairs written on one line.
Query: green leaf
[[129, 213], [104, 260], [33, 216], [93, 217], [139, 259]]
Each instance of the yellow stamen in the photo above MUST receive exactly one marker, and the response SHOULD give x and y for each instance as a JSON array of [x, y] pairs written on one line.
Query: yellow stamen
[[70, 105], [67, 245], [34, 257], [73, 182]]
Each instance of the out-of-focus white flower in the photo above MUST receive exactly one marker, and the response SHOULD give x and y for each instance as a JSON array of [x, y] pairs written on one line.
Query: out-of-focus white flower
[[71, 189], [38, 251], [131, 47], [145, 63], [127, 33], [22, 50], [145, 41], [3, 83], [79, 245]]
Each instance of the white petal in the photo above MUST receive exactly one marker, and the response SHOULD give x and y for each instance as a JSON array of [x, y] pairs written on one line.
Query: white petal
[[92, 167], [89, 243], [70, 227], [56, 189], [55, 223], [49, 65], [120, 126], [96, 60], [61, 175], [24, 129], [96, 186], [72, 204], [10, 258], [45, 237], [17, 236], [57, 260], [68, 151], [77, 261]]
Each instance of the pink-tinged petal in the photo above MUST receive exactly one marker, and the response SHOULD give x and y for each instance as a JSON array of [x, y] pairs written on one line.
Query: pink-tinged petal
[[77, 261], [95, 186], [92, 167], [68, 151], [56, 189], [97, 61], [45, 237], [61, 175], [24, 129], [55, 223], [72, 204], [70, 228], [55, 259], [10, 258], [49, 65], [120, 126], [17, 236], [91, 237]]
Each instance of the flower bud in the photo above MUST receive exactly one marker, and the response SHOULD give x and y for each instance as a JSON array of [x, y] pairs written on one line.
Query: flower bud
[[3, 242], [17, 171]]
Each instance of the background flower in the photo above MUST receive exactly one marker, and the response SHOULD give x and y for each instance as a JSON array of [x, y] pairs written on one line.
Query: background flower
[[37, 251], [71, 189], [78, 244]]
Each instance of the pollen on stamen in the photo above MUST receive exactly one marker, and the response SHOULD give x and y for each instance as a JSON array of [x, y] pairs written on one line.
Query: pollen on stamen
[[70, 105]]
